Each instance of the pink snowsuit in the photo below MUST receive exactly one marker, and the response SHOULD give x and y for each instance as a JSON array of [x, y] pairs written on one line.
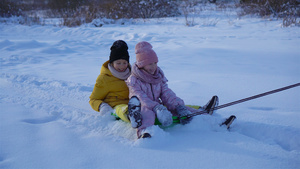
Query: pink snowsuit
[[152, 90]]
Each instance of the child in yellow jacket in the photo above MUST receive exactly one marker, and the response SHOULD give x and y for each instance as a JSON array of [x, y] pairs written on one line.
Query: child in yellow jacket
[[110, 93]]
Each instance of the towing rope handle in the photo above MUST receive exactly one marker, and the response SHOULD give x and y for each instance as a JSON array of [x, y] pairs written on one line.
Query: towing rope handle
[[249, 98]]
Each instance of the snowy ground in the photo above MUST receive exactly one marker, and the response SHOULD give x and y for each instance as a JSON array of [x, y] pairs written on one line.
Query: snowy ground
[[48, 73]]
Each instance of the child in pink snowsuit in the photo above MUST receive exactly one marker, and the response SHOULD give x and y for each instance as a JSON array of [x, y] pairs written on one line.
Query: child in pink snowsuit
[[148, 83]]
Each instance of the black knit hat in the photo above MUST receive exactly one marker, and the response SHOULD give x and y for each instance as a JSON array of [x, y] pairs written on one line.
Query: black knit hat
[[119, 50]]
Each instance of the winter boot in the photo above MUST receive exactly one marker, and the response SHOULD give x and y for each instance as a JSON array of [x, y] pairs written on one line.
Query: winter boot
[[228, 121], [134, 112], [209, 107], [144, 135]]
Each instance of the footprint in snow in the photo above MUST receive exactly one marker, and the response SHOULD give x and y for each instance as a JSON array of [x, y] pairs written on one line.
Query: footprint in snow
[[40, 120]]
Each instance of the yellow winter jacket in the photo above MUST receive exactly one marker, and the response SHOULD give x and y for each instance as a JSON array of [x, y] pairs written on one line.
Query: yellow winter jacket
[[108, 89]]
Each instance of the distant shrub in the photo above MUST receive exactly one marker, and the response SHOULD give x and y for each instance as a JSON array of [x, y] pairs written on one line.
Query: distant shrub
[[64, 5], [8, 9], [76, 12], [288, 10], [189, 9], [20, 11], [116, 9], [82, 12]]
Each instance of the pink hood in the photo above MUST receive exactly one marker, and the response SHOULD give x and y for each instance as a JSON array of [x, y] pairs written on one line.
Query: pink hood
[[152, 89]]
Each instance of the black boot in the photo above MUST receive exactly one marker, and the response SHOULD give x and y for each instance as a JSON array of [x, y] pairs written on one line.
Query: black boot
[[145, 135], [134, 112], [209, 107], [229, 121]]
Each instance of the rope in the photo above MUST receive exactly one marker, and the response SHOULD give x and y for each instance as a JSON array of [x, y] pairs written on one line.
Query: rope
[[248, 98]]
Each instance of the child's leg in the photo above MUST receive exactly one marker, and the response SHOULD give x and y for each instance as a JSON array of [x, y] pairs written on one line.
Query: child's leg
[[122, 111], [148, 120], [191, 108], [195, 109], [148, 117], [208, 108]]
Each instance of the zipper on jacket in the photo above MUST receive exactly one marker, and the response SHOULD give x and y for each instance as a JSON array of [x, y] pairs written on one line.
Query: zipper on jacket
[[152, 92]]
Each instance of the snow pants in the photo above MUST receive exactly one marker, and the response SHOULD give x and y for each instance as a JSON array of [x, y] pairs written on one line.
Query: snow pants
[[149, 117], [121, 111]]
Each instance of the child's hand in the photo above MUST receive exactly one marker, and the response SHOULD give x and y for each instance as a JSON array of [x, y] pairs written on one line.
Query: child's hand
[[105, 108], [182, 111], [164, 116]]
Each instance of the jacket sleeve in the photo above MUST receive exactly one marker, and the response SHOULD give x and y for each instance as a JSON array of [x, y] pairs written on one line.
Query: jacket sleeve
[[169, 98], [98, 95], [136, 90]]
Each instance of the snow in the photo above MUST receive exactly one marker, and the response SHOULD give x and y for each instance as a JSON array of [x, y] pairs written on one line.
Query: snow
[[48, 74]]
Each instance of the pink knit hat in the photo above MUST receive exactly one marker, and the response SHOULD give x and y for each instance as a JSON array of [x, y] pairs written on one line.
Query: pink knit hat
[[144, 54]]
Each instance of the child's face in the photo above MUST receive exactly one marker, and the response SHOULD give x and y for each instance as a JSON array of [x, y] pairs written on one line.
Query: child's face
[[150, 68], [120, 65]]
